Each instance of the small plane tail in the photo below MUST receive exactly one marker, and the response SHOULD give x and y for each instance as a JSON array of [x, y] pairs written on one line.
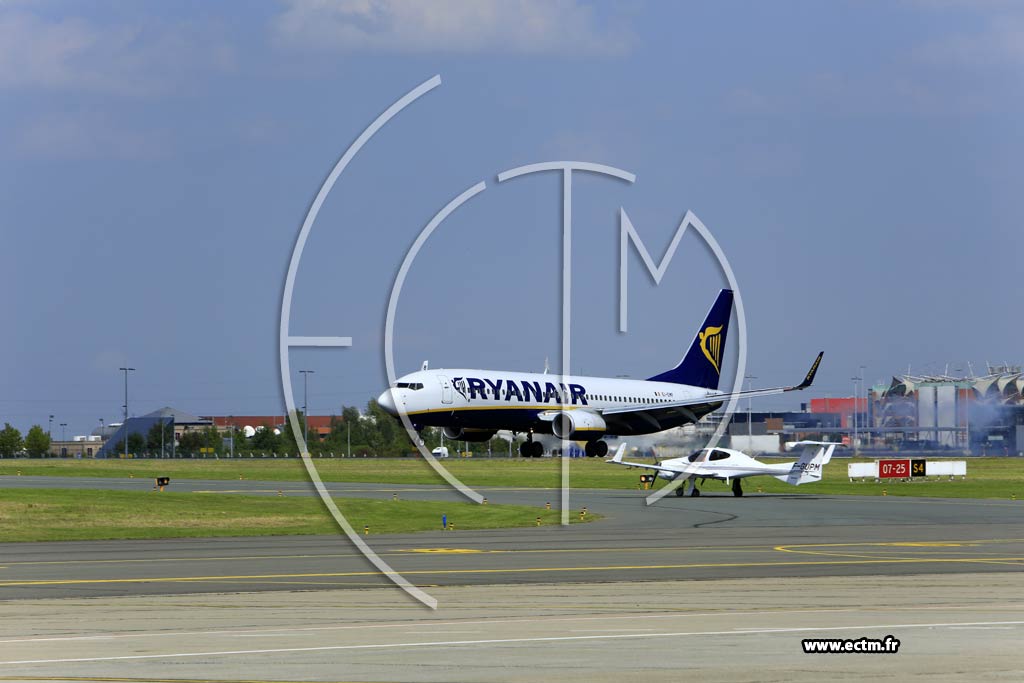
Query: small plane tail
[[702, 364], [617, 458], [813, 459]]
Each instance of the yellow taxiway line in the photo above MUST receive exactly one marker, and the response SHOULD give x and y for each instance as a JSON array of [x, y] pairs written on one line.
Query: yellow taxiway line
[[521, 570]]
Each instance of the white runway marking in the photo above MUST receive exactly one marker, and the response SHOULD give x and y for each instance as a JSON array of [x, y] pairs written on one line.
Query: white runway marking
[[525, 620], [508, 641]]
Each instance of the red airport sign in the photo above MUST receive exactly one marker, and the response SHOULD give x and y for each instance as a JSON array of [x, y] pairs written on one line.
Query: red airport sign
[[893, 469]]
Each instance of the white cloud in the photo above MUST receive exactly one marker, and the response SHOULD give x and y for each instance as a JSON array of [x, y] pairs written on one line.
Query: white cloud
[[454, 26], [999, 43], [984, 33], [85, 136], [73, 53]]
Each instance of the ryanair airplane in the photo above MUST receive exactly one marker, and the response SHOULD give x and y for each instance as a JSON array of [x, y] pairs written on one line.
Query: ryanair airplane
[[471, 405]]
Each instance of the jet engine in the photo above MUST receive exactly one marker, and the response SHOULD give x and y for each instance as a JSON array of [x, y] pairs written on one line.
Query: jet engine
[[578, 425], [463, 434]]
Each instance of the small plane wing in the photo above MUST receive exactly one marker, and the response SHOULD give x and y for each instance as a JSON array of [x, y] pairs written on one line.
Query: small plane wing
[[693, 468], [617, 459], [710, 397]]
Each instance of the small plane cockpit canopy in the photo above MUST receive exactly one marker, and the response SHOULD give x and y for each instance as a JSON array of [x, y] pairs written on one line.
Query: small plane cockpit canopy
[[412, 386], [715, 455]]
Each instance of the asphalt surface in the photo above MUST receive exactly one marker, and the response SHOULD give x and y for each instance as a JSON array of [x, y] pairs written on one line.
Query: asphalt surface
[[710, 537], [714, 588], [949, 627]]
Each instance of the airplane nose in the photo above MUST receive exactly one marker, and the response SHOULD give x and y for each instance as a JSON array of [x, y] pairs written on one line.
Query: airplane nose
[[387, 402]]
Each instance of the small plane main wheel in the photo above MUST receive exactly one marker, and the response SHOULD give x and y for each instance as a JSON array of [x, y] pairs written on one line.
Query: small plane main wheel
[[695, 493], [737, 488], [681, 491]]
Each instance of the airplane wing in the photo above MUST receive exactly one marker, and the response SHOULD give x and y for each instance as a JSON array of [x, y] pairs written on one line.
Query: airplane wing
[[694, 469], [675, 408]]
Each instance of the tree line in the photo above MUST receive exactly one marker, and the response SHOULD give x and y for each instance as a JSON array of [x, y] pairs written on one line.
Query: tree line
[[35, 444], [371, 433]]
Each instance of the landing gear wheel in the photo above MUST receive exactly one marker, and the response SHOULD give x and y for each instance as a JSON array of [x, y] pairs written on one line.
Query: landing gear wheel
[[536, 448], [681, 491], [524, 449], [601, 449], [695, 493], [737, 488]]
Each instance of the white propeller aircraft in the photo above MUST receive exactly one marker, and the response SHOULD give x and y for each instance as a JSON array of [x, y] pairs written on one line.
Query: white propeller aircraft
[[471, 405], [732, 466]]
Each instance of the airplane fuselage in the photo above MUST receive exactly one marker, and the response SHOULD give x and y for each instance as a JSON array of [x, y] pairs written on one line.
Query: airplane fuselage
[[519, 401]]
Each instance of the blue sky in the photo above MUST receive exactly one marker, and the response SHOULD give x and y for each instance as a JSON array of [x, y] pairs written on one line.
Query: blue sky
[[858, 162]]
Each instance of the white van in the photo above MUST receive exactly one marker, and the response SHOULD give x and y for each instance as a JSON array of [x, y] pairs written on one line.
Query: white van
[[440, 452]]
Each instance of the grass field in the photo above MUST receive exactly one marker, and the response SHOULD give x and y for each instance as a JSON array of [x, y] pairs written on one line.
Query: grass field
[[87, 514], [986, 477]]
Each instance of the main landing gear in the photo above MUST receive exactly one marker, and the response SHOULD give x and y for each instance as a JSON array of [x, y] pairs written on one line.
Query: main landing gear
[[689, 488], [531, 448], [737, 488], [596, 449]]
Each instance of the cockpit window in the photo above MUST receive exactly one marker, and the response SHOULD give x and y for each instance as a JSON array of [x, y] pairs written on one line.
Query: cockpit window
[[715, 455], [412, 386]]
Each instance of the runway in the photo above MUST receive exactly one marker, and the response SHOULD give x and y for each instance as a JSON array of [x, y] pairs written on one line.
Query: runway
[[950, 628], [711, 537], [716, 588]]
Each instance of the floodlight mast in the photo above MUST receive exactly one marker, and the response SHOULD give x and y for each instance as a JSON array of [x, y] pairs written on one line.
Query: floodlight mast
[[124, 426]]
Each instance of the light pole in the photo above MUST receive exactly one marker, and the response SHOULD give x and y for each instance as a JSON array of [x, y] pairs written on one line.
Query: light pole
[[853, 414], [62, 426], [305, 407], [124, 426], [867, 405], [49, 426]]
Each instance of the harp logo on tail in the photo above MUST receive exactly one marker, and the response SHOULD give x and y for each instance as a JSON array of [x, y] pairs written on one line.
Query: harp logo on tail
[[711, 345]]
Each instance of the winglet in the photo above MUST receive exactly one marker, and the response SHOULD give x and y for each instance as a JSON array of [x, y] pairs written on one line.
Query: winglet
[[810, 374], [618, 453]]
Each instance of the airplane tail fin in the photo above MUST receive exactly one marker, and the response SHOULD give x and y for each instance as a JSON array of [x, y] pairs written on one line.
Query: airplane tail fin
[[702, 364], [808, 468], [618, 453]]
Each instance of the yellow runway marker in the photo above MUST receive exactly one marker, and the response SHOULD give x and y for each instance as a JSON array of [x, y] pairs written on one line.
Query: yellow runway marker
[[107, 679], [685, 549], [522, 570]]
